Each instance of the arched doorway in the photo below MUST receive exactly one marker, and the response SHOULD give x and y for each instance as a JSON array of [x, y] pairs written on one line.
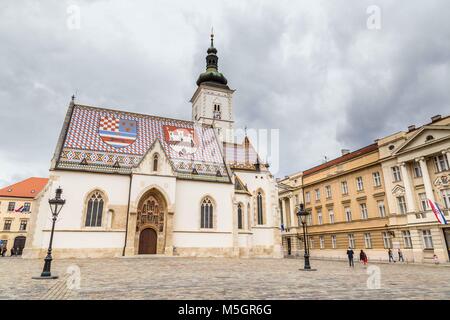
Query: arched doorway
[[151, 223], [147, 241], [19, 244]]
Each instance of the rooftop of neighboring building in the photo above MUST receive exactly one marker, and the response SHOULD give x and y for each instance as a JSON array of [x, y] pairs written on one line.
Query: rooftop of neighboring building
[[28, 188]]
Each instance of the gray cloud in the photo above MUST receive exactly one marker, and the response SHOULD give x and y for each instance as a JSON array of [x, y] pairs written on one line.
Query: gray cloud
[[310, 68]]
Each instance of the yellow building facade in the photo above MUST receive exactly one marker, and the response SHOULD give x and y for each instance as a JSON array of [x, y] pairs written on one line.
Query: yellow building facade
[[17, 202], [375, 199]]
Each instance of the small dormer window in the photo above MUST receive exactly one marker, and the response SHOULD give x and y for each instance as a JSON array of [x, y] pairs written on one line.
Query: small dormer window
[[429, 138], [391, 147]]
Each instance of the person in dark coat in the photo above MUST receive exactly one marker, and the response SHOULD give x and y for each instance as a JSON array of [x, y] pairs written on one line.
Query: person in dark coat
[[363, 257], [350, 254], [391, 256], [4, 250], [13, 252]]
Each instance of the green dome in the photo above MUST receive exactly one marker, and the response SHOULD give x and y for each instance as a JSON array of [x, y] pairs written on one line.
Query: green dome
[[212, 74]]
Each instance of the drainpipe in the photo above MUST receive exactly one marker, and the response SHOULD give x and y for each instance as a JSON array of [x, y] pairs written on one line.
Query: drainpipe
[[128, 215]]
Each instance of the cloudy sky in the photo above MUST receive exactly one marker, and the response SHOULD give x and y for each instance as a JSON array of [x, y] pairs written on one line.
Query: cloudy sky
[[312, 69]]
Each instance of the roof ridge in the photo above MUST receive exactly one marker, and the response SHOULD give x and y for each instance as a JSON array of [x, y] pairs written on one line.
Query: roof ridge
[[136, 113]]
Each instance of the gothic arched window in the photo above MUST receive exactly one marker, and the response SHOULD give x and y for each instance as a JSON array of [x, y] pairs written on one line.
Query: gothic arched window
[[94, 211], [240, 217], [259, 206], [206, 214], [155, 162]]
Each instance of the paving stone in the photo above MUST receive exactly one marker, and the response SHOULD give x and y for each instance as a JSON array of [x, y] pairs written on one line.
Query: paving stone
[[216, 278]]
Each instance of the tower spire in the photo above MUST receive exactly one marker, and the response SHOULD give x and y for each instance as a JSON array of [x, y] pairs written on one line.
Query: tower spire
[[212, 73]]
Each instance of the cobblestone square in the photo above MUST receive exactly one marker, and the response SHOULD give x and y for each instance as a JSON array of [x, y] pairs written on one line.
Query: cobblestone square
[[218, 278]]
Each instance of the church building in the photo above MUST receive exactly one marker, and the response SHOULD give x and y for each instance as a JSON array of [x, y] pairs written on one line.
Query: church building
[[142, 184]]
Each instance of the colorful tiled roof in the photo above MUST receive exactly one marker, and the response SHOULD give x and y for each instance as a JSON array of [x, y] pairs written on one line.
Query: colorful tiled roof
[[28, 188], [104, 140], [348, 156], [241, 156]]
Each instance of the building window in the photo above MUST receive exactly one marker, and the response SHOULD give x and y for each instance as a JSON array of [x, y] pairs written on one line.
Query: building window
[[7, 225], [309, 220], [328, 191], [307, 197], [427, 239], [319, 217], [417, 170], [406, 235], [94, 211], [333, 242], [401, 205], [322, 242], [206, 214], [11, 206], [217, 114], [368, 240], [446, 197], [376, 179], [344, 187], [348, 214], [26, 207], [23, 225], [441, 163], [387, 241], [155, 162], [317, 194], [351, 240], [396, 174], [311, 242], [381, 208], [259, 204], [239, 213], [423, 201], [364, 213], [331, 215], [359, 184]]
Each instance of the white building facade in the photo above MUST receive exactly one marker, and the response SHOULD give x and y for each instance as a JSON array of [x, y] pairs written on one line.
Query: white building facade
[[140, 184]]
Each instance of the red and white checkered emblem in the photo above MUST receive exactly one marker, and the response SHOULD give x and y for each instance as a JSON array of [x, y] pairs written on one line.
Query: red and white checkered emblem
[[109, 124]]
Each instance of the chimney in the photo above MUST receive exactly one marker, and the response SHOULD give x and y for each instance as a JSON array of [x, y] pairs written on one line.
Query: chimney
[[411, 128], [345, 151], [436, 118]]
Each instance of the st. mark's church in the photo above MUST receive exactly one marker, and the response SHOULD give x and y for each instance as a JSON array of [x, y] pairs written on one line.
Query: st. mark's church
[[143, 184]]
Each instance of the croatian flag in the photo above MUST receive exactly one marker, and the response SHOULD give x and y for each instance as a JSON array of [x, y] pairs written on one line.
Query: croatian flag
[[437, 212], [117, 132], [19, 209]]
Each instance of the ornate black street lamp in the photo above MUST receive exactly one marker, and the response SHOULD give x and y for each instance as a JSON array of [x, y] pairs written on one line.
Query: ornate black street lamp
[[56, 205], [302, 218]]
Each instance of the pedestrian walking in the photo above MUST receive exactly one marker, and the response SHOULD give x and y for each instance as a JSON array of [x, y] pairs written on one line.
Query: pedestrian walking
[[435, 259], [363, 258], [4, 250], [391, 256], [350, 254], [400, 256], [12, 252]]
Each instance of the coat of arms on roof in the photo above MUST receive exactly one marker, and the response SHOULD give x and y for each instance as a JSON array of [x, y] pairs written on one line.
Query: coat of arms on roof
[[117, 132], [183, 140]]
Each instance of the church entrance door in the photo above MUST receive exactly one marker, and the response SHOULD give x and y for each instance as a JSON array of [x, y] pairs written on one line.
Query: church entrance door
[[147, 241]]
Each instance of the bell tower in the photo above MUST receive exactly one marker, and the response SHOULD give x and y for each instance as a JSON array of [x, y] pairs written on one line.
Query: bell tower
[[212, 102]]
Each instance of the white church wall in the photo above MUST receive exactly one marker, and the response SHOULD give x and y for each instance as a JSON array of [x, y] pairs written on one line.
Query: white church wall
[[76, 188], [187, 231]]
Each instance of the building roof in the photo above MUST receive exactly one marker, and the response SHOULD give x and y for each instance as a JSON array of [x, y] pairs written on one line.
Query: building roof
[[344, 158], [112, 141], [28, 188], [241, 156]]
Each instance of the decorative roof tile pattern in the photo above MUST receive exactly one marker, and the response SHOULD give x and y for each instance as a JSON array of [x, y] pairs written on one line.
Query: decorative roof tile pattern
[[241, 156], [186, 144], [28, 188]]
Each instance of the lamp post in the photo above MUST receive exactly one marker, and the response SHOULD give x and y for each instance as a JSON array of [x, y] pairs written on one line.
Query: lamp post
[[56, 205], [302, 218]]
